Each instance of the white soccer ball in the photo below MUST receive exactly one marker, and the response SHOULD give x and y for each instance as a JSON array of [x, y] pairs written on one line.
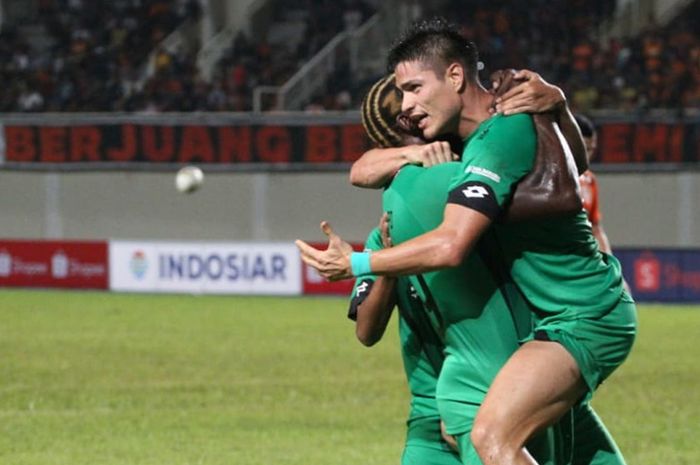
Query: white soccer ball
[[189, 179]]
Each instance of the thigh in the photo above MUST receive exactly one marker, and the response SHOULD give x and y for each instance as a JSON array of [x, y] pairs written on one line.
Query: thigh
[[599, 345], [534, 389]]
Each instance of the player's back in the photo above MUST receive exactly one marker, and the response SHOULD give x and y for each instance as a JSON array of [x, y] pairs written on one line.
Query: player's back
[[468, 309]]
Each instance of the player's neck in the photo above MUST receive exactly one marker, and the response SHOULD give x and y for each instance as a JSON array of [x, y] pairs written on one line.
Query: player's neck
[[475, 110]]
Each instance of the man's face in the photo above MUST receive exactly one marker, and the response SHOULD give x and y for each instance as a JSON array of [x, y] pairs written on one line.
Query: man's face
[[429, 99]]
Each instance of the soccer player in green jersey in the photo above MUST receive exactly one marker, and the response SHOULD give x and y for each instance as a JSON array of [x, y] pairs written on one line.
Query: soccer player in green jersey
[[422, 329], [584, 321], [423, 194], [372, 301], [374, 298]]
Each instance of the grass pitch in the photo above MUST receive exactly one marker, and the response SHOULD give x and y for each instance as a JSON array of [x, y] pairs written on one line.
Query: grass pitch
[[97, 378]]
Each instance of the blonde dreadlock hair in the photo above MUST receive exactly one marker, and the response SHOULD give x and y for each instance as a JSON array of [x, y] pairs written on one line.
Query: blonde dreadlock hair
[[380, 109]]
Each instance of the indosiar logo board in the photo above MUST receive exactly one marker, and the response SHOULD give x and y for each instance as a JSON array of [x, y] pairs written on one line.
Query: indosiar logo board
[[215, 268]]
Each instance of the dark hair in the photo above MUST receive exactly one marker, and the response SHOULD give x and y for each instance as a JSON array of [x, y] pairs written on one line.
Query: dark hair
[[380, 108], [585, 125], [435, 40]]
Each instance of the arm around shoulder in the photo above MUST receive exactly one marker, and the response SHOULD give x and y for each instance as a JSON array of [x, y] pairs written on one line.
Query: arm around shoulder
[[376, 167]]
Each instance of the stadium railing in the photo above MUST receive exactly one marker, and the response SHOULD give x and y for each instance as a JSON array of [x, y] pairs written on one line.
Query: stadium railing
[[313, 75]]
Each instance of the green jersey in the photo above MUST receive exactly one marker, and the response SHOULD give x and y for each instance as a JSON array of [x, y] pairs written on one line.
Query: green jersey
[[555, 262], [421, 349], [465, 304]]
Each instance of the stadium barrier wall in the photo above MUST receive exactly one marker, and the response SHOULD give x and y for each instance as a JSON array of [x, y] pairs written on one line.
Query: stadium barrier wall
[[248, 196], [264, 268], [639, 209]]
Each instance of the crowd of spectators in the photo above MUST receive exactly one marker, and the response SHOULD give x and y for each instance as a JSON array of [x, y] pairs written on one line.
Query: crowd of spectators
[[99, 48], [92, 57], [177, 85], [658, 69], [256, 63]]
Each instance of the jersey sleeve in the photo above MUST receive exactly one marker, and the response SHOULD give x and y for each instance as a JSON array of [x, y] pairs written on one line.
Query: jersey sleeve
[[363, 285], [495, 159]]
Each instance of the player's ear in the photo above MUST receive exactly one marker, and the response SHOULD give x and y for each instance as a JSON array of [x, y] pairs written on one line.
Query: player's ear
[[455, 76]]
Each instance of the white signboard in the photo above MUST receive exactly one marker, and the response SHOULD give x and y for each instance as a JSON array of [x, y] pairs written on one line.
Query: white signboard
[[214, 268]]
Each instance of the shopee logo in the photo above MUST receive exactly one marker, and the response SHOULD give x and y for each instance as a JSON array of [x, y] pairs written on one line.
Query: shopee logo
[[647, 274]]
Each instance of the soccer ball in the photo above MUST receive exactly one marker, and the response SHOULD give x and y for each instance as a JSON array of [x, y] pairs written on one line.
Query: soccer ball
[[189, 179]]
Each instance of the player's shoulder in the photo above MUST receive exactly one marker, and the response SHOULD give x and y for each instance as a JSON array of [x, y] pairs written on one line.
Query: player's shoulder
[[501, 130], [513, 123]]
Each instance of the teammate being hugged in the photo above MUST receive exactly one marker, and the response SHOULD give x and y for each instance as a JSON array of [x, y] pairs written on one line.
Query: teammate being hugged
[[374, 298]]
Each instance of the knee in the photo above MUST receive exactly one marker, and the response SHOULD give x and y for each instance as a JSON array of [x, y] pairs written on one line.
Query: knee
[[491, 441]]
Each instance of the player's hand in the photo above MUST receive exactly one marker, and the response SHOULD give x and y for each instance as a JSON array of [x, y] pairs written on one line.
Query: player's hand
[[532, 95], [501, 78], [332, 263], [384, 230], [431, 154]]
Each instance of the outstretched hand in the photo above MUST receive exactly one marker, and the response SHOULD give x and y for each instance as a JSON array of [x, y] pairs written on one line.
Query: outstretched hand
[[532, 95], [332, 263]]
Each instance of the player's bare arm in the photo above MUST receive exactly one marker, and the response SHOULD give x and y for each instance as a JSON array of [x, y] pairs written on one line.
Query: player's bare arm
[[376, 167], [443, 247], [375, 310], [535, 95], [551, 189]]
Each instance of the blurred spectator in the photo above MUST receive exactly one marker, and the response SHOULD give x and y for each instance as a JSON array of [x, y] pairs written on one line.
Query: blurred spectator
[[95, 48]]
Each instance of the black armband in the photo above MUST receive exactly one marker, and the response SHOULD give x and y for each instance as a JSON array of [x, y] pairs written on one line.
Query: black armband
[[361, 292], [477, 196]]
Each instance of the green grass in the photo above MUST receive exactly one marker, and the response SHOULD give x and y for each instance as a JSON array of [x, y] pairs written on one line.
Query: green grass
[[96, 378]]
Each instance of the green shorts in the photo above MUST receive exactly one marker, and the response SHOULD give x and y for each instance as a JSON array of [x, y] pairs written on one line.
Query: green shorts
[[414, 454], [467, 453], [424, 434], [599, 345], [593, 444]]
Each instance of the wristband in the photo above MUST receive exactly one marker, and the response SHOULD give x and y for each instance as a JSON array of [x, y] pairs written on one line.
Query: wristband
[[359, 263]]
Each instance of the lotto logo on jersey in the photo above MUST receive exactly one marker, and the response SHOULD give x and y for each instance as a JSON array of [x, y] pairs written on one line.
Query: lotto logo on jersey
[[475, 192], [362, 288]]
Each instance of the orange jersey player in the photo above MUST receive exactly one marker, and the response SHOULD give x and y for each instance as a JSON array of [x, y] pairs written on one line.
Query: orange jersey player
[[589, 185]]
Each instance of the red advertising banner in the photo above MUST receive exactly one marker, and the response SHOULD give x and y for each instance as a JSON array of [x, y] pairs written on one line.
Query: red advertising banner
[[58, 264], [283, 142], [138, 143], [315, 284], [648, 143]]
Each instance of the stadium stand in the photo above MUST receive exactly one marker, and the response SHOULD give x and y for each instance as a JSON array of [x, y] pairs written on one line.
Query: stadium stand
[[90, 55], [93, 54]]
